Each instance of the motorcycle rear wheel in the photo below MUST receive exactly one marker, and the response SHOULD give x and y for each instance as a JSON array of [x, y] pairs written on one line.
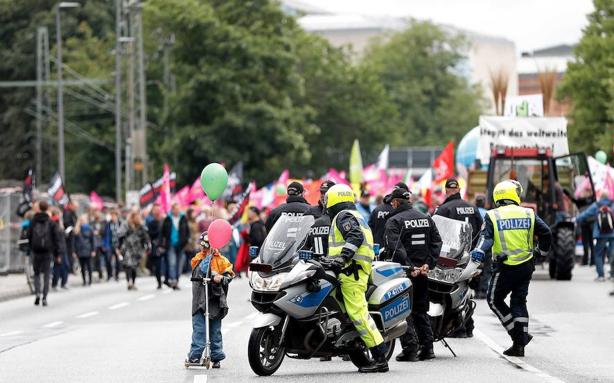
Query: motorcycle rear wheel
[[264, 355]]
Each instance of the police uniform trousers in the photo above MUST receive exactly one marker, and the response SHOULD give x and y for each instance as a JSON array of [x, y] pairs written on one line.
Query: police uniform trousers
[[357, 309], [513, 280], [419, 330]]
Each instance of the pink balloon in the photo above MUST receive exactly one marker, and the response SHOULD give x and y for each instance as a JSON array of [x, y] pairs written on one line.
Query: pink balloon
[[220, 233]]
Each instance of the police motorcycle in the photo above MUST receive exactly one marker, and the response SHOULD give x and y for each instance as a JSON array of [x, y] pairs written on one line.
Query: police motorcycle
[[450, 295], [302, 314]]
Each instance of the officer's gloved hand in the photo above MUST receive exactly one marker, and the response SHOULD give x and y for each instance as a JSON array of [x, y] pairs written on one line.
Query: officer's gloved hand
[[335, 264], [477, 256], [347, 255]]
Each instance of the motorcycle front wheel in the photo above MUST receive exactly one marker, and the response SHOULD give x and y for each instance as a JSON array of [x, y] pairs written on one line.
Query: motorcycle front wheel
[[263, 350]]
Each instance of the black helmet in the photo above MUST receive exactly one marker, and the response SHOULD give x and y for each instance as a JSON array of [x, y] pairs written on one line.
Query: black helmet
[[204, 240]]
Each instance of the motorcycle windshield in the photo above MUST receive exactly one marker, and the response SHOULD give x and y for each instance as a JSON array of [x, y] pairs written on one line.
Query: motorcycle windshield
[[456, 237], [283, 240]]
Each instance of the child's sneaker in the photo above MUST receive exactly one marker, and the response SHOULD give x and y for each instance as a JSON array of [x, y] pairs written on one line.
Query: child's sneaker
[[192, 362]]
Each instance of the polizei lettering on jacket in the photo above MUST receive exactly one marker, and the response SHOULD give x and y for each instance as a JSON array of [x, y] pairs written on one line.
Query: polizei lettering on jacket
[[321, 230], [416, 223], [291, 214], [465, 210], [514, 224], [382, 214]]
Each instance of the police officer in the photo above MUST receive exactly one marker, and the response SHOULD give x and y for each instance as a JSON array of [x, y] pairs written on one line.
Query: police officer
[[412, 239], [454, 207], [317, 239], [350, 248], [509, 230], [295, 205], [379, 215]]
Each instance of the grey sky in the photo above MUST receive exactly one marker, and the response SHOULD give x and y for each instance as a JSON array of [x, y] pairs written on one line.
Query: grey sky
[[530, 24]]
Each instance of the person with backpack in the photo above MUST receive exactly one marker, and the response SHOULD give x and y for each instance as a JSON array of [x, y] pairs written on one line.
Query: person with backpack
[[45, 245], [603, 231]]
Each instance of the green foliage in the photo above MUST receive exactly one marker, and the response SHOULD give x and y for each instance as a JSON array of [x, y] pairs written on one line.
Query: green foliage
[[588, 83], [86, 34], [234, 68], [250, 85], [418, 69]]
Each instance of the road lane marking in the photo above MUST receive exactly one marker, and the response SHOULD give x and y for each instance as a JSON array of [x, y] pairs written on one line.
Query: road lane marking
[[118, 306], [146, 297], [233, 325], [167, 291], [53, 324], [514, 360], [12, 333], [200, 378], [87, 315]]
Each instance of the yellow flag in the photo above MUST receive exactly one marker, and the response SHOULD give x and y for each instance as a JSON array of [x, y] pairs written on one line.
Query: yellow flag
[[356, 167]]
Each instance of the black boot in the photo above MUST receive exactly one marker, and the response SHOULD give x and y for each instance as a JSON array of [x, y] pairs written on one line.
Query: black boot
[[37, 301], [426, 352], [515, 350], [408, 356], [379, 364]]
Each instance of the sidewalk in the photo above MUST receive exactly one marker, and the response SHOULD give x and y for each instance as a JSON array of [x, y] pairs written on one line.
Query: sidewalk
[[13, 286]]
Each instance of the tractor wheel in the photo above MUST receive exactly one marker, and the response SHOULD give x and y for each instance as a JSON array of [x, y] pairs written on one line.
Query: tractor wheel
[[564, 253], [552, 267]]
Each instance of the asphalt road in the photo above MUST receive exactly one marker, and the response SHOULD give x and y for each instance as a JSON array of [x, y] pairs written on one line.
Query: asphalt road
[[105, 333]]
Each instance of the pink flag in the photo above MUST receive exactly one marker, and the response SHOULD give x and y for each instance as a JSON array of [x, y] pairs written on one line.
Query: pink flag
[[196, 193], [96, 201], [283, 178], [165, 191], [181, 197], [335, 176], [609, 183]]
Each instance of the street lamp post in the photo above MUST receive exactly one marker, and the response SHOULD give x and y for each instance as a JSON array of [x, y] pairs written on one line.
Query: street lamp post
[[58, 33]]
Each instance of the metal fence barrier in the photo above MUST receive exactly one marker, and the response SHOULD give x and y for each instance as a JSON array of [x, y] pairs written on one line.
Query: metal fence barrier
[[11, 259]]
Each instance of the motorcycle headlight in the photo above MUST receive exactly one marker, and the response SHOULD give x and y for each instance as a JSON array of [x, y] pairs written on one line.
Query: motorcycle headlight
[[445, 275], [272, 283]]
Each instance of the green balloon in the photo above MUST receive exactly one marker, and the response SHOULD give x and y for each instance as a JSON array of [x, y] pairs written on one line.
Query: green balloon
[[213, 179], [601, 157]]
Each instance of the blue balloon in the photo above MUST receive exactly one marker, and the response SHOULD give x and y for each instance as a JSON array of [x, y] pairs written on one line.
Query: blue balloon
[[467, 148]]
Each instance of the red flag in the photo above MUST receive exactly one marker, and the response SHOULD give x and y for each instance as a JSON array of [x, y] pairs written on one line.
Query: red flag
[[444, 164]]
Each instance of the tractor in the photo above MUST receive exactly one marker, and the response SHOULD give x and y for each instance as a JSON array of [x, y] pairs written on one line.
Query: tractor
[[554, 187]]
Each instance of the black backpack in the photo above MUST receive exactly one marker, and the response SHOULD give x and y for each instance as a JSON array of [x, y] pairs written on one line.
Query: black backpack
[[605, 220], [41, 237]]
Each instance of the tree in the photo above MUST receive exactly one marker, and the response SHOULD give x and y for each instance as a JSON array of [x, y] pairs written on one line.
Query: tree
[[349, 103], [418, 70], [588, 83], [234, 62], [87, 32]]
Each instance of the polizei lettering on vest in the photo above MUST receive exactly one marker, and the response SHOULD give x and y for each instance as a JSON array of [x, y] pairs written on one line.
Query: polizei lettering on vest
[[322, 230], [514, 224], [416, 223], [465, 210]]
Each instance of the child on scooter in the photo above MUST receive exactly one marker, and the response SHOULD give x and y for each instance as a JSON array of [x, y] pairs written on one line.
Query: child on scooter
[[209, 263]]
